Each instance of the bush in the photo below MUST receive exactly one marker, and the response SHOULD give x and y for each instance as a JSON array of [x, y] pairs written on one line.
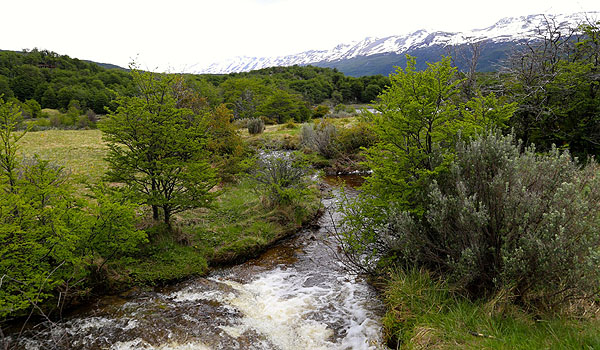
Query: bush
[[320, 111], [352, 139], [498, 220], [256, 126], [283, 178], [241, 123], [321, 138]]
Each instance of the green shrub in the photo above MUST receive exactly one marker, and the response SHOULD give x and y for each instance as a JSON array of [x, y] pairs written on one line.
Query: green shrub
[[256, 126], [320, 111], [498, 220], [283, 178], [352, 139]]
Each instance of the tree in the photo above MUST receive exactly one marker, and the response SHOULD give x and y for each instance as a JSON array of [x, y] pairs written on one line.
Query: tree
[[158, 149], [555, 81], [282, 106], [421, 116]]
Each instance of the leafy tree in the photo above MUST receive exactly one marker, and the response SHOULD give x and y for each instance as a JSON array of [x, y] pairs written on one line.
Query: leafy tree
[[157, 149], [5, 87], [32, 108], [421, 116], [282, 106], [10, 116], [25, 82], [555, 83], [49, 239]]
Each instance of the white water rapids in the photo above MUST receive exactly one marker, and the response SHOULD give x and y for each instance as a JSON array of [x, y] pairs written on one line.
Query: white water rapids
[[295, 296]]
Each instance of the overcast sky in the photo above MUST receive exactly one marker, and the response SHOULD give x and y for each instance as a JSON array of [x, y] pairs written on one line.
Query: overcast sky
[[181, 35]]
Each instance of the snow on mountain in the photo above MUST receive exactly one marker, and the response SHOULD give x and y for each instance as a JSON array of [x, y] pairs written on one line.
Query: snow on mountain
[[505, 30]]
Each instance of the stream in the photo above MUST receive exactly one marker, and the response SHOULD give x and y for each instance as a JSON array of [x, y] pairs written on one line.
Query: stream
[[294, 296]]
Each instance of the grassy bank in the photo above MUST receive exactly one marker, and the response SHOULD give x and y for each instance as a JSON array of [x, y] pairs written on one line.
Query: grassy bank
[[423, 313], [238, 226]]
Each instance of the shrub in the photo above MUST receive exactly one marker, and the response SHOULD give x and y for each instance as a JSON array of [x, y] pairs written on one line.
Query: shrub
[[352, 139], [498, 220], [282, 177], [290, 125], [241, 123], [320, 111], [256, 126], [321, 138]]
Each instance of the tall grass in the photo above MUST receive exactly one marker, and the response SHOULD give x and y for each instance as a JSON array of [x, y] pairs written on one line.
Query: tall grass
[[424, 313]]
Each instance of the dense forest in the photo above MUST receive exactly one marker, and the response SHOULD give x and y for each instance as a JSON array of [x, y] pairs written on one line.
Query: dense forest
[[481, 196], [43, 79]]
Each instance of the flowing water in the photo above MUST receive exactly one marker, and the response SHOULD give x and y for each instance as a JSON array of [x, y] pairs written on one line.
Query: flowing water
[[295, 296]]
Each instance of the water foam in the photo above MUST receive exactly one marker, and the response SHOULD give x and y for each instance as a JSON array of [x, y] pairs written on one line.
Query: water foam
[[139, 344], [292, 315]]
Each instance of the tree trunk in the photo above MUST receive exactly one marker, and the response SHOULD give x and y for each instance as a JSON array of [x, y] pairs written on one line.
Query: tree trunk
[[167, 213]]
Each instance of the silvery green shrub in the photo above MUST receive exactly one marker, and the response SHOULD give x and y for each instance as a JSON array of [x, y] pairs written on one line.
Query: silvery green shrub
[[255, 126], [499, 219], [320, 138]]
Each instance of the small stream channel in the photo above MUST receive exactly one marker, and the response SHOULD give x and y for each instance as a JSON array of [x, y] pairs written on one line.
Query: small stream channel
[[295, 296]]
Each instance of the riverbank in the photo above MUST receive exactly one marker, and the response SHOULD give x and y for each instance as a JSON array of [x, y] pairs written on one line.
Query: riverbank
[[293, 296], [423, 312], [238, 225]]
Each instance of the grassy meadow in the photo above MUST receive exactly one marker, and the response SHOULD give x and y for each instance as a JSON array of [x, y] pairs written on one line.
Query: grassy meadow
[[81, 152], [236, 227]]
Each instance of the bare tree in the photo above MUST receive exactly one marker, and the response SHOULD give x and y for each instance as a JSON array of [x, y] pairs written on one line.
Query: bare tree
[[531, 68]]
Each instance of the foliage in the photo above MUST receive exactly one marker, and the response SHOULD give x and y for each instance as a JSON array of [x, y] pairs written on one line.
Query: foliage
[[49, 238], [352, 139], [556, 85], [40, 227], [320, 111], [255, 126], [227, 149], [112, 229], [283, 178], [157, 149], [281, 107], [498, 220], [420, 117], [321, 138], [54, 80]]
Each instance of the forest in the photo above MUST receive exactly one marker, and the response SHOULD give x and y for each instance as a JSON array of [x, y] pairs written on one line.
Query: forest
[[478, 219]]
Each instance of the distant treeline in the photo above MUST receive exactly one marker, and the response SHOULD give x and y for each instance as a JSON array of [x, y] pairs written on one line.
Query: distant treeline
[[44, 79]]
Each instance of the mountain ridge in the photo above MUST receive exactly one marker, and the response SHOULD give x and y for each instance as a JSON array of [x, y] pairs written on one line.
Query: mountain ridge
[[506, 30]]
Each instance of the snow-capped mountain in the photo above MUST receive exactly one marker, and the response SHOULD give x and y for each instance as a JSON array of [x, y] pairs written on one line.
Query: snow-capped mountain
[[511, 29]]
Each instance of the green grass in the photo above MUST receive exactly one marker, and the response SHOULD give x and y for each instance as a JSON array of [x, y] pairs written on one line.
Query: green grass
[[422, 313], [240, 226], [237, 227], [81, 152]]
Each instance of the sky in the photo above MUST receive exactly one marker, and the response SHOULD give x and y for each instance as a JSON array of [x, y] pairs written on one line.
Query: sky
[[185, 35]]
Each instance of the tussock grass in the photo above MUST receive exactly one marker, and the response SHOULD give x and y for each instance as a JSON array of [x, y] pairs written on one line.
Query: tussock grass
[[424, 313]]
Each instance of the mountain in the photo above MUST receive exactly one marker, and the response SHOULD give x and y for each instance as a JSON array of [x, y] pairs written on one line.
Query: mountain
[[379, 55]]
